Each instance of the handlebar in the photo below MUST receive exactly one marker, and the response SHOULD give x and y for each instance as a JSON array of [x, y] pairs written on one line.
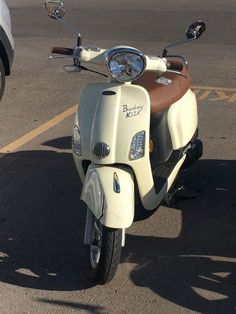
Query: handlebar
[[62, 51], [98, 56]]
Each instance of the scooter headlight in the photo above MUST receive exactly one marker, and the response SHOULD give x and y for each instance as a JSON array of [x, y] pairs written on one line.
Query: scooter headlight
[[137, 147], [125, 64]]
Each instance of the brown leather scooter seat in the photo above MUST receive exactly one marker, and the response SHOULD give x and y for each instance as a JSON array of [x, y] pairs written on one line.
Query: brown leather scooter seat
[[163, 96]]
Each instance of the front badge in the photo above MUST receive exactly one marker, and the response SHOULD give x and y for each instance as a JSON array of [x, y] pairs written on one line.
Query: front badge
[[132, 111]]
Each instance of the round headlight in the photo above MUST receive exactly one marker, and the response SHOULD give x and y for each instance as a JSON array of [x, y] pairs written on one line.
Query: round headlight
[[125, 64]]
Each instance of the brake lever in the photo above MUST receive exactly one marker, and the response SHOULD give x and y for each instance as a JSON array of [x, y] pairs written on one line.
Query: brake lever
[[177, 72], [178, 56]]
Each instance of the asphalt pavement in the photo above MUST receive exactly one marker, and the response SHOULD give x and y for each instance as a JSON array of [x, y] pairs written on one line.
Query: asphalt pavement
[[182, 259]]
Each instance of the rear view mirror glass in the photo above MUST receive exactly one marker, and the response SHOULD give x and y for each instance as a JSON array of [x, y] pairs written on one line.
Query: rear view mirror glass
[[195, 30], [55, 8]]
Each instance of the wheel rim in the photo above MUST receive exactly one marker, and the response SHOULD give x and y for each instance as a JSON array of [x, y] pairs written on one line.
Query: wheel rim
[[96, 244]]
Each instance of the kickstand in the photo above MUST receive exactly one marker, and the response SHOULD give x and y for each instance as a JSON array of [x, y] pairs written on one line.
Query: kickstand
[[179, 193]]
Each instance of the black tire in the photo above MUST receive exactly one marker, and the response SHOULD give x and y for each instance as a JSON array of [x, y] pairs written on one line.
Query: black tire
[[110, 251], [2, 79]]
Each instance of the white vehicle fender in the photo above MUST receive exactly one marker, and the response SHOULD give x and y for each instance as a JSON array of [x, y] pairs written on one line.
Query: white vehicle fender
[[109, 193], [5, 22]]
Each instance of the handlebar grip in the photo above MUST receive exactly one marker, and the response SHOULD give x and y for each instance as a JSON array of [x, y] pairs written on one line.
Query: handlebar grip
[[175, 66], [62, 51]]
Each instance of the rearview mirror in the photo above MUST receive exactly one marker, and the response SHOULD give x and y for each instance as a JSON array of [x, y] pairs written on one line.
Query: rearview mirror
[[195, 30], [55, 8]]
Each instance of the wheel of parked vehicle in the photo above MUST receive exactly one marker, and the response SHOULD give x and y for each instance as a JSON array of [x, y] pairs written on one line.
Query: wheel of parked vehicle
[[105, 251], [2, 78]]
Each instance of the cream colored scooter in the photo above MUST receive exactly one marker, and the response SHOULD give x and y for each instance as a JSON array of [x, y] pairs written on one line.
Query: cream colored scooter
[[132, 136]]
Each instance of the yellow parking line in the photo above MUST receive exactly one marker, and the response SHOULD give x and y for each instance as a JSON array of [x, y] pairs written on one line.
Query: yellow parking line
[[36, 132], [215, 88], [205, 94], [215, 94]]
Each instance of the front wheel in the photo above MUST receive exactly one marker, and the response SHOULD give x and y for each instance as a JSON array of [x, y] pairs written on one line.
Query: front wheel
[[104, 251]]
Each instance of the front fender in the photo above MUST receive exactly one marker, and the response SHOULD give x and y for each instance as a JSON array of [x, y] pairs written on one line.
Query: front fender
[[109, 193]]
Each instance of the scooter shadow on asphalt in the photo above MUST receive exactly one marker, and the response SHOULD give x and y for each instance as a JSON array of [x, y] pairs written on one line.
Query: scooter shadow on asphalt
[[42, 220], [42, 224], [196, 270]]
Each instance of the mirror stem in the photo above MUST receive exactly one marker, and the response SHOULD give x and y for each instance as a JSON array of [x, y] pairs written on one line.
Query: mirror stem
[[79, 40], [180, 42], [165, 51], [70, 27]]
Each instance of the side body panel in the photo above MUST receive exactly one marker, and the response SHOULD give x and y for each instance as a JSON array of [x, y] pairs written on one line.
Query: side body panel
[[182, 120]]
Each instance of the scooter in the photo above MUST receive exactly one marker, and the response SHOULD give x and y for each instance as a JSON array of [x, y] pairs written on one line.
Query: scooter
[[132, 137]]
